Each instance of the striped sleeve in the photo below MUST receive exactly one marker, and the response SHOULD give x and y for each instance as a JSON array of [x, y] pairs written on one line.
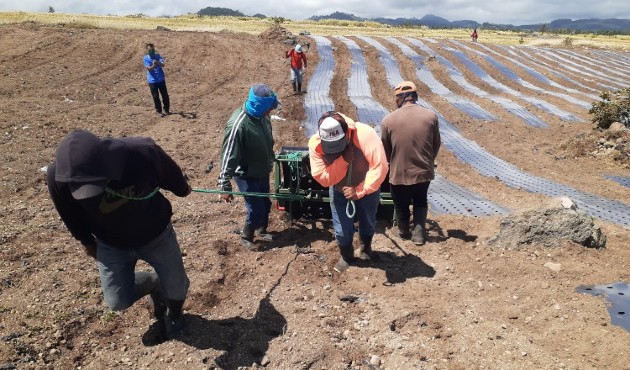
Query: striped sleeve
[[231, 151]]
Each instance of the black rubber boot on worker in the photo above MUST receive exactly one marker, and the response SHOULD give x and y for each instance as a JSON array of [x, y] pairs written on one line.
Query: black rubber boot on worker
[[347, 257], [295, 89], [174, 319], [159, 306], [247, 237], [365, 249], [263, 235], [299, 88], [403, 227], [418, 235], [147, 282]]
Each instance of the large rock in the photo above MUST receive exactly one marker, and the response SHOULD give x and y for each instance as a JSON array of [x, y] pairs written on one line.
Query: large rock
[[617, 126], [547, 227]]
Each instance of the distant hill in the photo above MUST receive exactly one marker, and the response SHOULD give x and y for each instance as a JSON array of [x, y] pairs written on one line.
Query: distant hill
[[611, 24], [580, 25], [220, 11], [429, 20], [433, 21], [337, 15]]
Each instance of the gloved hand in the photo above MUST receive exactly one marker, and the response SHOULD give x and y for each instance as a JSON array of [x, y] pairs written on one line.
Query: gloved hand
[[227, 197]]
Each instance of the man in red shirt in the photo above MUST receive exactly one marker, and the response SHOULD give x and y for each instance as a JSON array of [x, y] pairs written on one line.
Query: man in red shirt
[[298, 65]]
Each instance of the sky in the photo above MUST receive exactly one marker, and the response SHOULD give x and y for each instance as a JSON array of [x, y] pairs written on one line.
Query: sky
[[515, 12]]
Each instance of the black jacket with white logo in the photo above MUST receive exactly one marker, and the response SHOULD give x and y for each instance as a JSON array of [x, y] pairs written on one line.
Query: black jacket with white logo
[[126, 215]]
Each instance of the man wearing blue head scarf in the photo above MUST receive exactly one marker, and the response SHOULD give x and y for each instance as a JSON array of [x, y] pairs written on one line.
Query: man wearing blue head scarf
[[247, 156]]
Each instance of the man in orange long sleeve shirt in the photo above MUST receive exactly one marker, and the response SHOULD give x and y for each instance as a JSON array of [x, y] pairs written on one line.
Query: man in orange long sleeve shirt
[[341, 146]]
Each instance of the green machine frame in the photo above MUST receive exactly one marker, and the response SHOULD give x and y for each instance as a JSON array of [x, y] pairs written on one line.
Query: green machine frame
[[302, 196]]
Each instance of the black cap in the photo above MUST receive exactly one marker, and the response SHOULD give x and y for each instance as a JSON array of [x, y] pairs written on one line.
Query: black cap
[[87, 163]]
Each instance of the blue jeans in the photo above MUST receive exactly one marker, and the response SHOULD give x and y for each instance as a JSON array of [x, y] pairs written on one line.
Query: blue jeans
[[117, 269], [258, 208], [296, 75], [366, 208]]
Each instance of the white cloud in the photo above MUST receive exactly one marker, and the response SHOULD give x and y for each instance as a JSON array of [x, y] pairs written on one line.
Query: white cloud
[[495, 11]]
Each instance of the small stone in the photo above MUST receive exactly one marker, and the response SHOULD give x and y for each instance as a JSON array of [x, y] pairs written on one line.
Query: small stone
[[375, 360], [616, 126], [567, 203], [265, 361], [553, 266]]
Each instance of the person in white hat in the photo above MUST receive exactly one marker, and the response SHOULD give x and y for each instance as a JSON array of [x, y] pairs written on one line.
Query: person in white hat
[[348, 157], [298, 65]]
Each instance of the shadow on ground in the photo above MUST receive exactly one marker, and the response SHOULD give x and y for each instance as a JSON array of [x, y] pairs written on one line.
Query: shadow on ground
[[399, 268], [245, 341], [301, 235]]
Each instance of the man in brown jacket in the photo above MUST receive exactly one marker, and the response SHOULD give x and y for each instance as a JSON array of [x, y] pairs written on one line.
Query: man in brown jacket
[[411, 138]]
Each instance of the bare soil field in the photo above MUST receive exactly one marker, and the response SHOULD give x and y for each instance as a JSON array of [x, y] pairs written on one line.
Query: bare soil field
[[454, 303]]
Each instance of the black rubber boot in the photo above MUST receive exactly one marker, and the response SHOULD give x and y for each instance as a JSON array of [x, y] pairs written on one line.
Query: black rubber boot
[[347, 257], [174, 319], [403, 226], [247, 237], [149, 283], [263, 235], [365, 249], [295, 89], [299, 88], [418, 235]]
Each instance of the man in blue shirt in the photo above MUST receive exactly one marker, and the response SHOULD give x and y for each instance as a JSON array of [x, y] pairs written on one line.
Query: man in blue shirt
[[154, 62]]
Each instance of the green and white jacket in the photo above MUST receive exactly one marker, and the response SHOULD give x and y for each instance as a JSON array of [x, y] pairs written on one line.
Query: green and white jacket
[[247, 149]]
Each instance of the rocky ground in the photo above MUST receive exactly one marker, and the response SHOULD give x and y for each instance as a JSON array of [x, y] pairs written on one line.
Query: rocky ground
[[454, 303]]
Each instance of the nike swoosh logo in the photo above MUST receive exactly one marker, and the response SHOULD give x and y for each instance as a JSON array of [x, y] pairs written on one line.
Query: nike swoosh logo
[[109, 205]]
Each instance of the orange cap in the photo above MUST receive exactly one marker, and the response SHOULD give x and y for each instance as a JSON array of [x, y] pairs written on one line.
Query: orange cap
[[405, 87]]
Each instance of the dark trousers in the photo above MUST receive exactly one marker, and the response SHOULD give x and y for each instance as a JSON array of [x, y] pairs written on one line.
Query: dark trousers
[[156, 89], [258, 208], [405, 195]]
